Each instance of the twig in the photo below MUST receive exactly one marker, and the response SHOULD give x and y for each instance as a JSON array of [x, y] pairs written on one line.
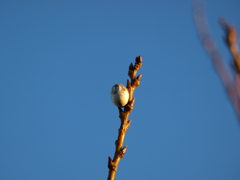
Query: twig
[[123, 115], [231, 41], [231, 84]]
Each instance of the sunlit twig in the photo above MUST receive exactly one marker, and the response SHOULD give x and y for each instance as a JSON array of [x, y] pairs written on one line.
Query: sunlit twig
[[123, 115], [232, 84]]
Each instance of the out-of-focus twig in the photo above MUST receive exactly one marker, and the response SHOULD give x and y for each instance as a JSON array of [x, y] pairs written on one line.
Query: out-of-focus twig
[[231, 84], [231, 41], [123, 115]]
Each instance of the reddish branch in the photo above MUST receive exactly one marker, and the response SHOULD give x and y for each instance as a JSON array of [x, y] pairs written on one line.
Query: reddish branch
[[123, 115], [231, 84]]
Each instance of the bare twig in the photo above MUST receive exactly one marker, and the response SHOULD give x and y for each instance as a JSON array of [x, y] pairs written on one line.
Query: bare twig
[[231, 84], [123, 115], [231, 41]]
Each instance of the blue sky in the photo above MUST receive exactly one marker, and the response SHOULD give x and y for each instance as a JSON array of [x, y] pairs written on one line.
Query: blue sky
[[58, 62]]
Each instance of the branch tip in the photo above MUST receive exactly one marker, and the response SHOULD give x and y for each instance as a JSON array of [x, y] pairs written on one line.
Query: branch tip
[[139, 77], [122, 151], [138, 59], [111, 164], [131, 66]]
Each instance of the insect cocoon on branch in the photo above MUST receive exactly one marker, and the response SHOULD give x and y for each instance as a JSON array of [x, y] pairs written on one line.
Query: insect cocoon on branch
[[119, 95]]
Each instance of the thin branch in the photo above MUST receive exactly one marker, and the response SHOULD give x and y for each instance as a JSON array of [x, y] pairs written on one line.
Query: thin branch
[[230, 83], [123, 115], [231, 41]]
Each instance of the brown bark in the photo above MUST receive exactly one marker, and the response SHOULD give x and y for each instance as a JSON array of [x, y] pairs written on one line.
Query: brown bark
[[123, 115]]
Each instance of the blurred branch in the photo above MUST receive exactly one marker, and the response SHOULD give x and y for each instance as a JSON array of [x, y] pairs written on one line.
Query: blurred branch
[[231, 84], [231, 41], [123, 115]]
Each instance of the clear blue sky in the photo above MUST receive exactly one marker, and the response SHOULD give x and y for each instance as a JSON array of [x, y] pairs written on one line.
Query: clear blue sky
[[58, 62]]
